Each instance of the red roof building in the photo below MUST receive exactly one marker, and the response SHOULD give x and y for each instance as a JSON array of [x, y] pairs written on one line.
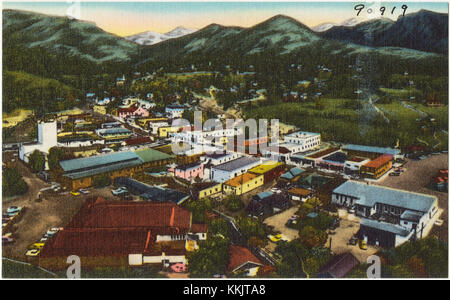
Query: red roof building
[[242, 260], [105, 233]]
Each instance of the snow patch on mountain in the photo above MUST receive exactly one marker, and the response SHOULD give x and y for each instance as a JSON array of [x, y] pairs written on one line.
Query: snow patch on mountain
[[152, 38]]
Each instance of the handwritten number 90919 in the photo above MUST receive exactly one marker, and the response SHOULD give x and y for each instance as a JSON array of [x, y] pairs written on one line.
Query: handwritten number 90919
[[359, 8]]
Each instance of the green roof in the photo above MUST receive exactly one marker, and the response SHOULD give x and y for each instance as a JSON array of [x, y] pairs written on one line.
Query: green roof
[[149, 155]]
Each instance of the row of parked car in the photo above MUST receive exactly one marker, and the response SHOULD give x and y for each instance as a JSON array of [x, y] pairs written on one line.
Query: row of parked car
[[9, 216], [34, 249]]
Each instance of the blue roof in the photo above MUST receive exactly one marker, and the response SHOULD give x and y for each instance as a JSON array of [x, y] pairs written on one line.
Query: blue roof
[[339, 157], [380, 150], [369, 195], [119, 130], [78, 164], [411, 216], [264, 195], [312, 215], [292, 173], [397, 229]]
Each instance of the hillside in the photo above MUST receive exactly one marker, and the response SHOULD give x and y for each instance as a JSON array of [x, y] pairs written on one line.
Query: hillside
[[424, 31], [62, 35]]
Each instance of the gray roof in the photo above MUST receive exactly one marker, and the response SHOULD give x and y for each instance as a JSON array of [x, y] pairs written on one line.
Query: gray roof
[[411, 216], [396, 229], [380, 150], [80, 164], [369, 195], [237, 163]]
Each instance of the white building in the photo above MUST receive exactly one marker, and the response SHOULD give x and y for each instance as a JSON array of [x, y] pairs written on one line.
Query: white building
[[389, 217], [174, 111], [306, 140], [47, 138], [219, 158], [204, 137], [234, 168]]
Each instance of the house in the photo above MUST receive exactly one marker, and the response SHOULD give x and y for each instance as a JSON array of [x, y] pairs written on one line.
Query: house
[[310, 158], [189, 171], [376, 168], [269, 169], [389, 216], [231, 169], [132, 111], [339, 266], [369, 151], [120, 234], [291, 176], [47, 138], [242, 261], [334, 162], [267, 203], [174, 111], [205, 189], [299, 194], [243, 183]]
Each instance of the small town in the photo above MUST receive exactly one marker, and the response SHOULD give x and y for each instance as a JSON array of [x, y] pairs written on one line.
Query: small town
[[181, 158]]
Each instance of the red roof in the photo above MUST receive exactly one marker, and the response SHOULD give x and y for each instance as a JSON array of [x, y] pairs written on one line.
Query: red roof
[[138, 140], [199, 228], [379, 161], [104, 214], [239, 256], [103, 228], [130, 109], [96, 242]]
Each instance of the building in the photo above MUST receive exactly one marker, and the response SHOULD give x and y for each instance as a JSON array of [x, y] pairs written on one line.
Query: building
[[339, 266], [120, 234], [174, 111], [369, 151], [81, 172], [132, 111], [219, 158], [189, 171], [114, 134], [376, 168], [353, 165], [243, 183], [151, 193], [231, 169], [205, 189], [290, 177], [299, 194], [267, 203], [242, 261], [307, 140], [47, 138], [333, 162], [269, 169], [389, 216]]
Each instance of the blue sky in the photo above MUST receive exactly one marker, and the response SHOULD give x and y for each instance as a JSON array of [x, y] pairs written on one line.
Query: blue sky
[[125, 18]]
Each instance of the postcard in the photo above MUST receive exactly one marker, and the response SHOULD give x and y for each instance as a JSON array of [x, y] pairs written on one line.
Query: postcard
[[224, 140]]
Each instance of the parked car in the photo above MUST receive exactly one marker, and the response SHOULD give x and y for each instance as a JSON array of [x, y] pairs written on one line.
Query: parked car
[[13, 210], [351, 210], [274, 238], [84, 191], [120, 191], [362, 245], [178, 268], [75, 193], [439, 222], [33, 252], [394, 174], [37, 246], [7, 239]]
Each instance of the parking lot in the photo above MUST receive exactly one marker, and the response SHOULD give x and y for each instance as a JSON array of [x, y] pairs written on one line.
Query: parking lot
[[416, 178], [278, 222], [349, 225], [55, 210]]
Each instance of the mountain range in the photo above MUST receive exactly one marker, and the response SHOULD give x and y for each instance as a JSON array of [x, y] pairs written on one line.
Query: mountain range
[[424, 31], [151, 38]]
